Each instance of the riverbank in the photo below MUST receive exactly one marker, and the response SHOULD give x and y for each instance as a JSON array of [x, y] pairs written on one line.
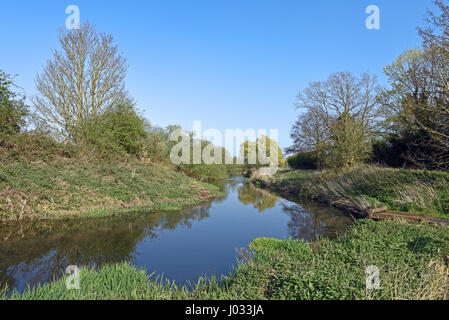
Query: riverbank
[[411, 258], [60, 189], [41, 179], [358, 190]]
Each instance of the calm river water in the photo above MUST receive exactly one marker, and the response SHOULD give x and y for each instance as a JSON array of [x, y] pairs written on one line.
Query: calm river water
[[181, 245]]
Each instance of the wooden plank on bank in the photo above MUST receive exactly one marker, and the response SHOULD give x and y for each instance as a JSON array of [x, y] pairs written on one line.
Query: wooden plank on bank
[[383, 214], [382, 209]]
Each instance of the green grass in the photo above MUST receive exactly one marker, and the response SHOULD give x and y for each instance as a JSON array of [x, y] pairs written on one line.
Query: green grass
[[410, 257], [207, 172], [74, 188], [366, 187]]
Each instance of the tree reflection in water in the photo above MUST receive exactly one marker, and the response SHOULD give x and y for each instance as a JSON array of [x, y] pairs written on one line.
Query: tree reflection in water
[[36, 252], [260, 199], [306, 220], [309, 220]]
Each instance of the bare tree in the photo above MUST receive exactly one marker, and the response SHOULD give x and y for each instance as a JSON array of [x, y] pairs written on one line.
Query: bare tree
[[436, 53], [84, 78], [344, 110], [310, 135]]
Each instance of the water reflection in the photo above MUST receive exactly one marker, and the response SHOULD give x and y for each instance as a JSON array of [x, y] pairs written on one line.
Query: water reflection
[[309, 221], [260, 199], [183, 245], [36, 252]]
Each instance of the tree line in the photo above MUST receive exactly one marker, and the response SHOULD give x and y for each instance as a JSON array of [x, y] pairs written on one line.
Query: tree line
[[348, 119], [82, 101]]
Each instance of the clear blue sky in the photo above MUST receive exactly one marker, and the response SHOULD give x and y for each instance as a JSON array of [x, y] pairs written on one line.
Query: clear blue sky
[[231, 64]]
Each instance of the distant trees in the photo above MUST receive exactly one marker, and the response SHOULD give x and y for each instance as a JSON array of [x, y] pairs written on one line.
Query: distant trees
[[84, 79], [339, 119], [13, 109], [260, 153]]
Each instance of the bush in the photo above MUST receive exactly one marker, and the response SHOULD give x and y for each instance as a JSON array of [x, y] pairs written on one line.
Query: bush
[[390, 152], [303, 161], [366, 187], [33, 146], [12, 107], [156, 147], [119, 130]]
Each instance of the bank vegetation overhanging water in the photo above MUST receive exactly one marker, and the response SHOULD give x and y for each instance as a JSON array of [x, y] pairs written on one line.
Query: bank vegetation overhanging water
[[359, 189]]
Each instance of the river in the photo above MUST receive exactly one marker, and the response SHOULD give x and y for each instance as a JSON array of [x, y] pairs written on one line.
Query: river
[[181, 245]]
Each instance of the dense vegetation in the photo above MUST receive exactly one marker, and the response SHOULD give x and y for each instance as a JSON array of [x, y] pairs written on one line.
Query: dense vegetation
[[359, 189], [412, 260], [63, 189], [12, 107]]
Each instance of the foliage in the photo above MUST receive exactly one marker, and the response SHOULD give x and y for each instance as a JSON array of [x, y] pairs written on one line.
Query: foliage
[[259, 153], [212, 161], [310, 136], [34, 147], [303, 161], [389, 152], [415, 110], [12, 107], [119, 130], [362, 188], [156, 146], [417, 105]]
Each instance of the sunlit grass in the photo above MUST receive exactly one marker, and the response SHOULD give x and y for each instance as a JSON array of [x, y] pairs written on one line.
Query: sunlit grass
[[57, 189], [362, 188]]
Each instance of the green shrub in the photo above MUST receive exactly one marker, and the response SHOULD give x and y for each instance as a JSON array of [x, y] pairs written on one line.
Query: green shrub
[[120, 130], [12, 107], [156, 147], [303, 161], [362, 188], [33, 146]]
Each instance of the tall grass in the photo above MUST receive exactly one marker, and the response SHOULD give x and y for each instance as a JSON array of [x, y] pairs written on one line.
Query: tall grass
[[359, 189]]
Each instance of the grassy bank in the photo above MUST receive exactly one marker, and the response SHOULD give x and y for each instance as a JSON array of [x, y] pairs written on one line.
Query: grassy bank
[[412, 260], [205, 172], [40, 178], [360, 189], [57, 189]]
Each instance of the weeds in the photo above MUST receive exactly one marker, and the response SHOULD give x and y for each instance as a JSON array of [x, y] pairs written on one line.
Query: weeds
[[359, 189]]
